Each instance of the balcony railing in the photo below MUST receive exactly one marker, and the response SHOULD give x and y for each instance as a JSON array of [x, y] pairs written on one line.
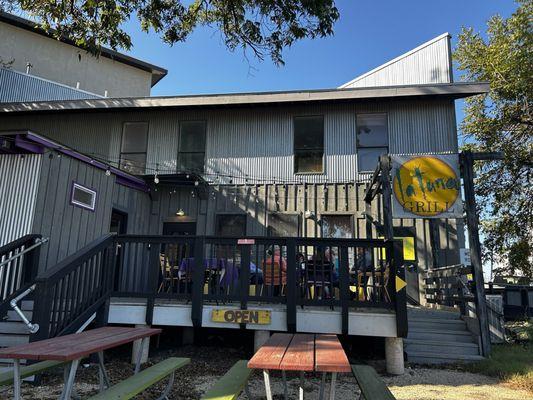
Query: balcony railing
[[331, 274]]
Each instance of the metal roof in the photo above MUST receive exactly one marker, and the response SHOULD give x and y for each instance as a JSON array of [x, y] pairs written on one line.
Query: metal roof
[[158, 73], [452, 90]]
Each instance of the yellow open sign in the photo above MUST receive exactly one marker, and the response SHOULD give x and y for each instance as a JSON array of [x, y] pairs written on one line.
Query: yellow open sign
[[260, 317]]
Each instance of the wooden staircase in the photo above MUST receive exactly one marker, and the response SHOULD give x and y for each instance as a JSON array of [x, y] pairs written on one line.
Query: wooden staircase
[[439, 337]]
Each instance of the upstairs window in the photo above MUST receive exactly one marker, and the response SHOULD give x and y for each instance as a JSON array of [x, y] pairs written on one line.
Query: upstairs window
[[372, 140], [133, 147], [191, 156], [232, 225], [309, 144], [283, 225]]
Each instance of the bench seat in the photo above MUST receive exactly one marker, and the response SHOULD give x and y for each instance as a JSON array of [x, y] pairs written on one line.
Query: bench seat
[[6, 377], [231, 384], [135, 384], [372, 387]]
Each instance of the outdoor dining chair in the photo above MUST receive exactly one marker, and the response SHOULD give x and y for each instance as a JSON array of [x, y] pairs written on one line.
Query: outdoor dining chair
[[274, 275]]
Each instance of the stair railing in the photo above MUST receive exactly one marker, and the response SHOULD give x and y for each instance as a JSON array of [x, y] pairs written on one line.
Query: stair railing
[[33, 328], [67, 295]]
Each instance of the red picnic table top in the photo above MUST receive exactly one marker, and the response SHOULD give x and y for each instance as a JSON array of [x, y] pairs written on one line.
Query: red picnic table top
[[77, 345], [301, 352]]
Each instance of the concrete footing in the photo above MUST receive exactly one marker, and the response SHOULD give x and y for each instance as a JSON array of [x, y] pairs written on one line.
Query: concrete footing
[[137, 344], [394, 355], [260, 338]]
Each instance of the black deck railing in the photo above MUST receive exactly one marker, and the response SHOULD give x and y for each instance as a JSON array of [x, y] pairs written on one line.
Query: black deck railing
[[339, 274], [296, 272]]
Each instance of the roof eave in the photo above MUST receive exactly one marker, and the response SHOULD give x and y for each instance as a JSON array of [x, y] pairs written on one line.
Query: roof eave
[[453, 90]]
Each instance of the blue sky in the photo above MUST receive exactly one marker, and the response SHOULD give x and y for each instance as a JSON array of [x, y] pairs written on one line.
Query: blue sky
[[367, 34]]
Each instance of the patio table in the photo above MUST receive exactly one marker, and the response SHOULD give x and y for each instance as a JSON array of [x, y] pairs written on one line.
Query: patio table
[[72, 348], [302, 353]]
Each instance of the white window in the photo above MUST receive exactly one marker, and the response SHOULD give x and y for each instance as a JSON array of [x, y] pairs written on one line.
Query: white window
[[83, 197], [372, 140], [133, 147]]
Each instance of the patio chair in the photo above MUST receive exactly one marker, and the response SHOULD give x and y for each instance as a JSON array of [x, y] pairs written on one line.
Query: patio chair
[[166, 274], [274, 275]]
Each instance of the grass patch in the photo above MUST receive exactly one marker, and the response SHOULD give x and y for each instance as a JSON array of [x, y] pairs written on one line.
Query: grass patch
[[511, 363]]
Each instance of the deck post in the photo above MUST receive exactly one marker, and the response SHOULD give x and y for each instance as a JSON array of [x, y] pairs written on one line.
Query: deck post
[[136, 347], [394, 355], [260, 338]]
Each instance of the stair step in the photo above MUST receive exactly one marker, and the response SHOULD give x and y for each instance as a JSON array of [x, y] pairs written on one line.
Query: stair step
[[418, 313], [420, 357], [12, 316], [13, 327], [425, 346], [446, 336], [438, 324], [9, 340], [26, 305]]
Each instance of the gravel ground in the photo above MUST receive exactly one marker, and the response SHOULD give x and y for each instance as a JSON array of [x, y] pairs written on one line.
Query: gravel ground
[[210, 362]]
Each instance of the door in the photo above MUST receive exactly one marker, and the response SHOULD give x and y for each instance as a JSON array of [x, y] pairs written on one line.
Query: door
[[119, 222]]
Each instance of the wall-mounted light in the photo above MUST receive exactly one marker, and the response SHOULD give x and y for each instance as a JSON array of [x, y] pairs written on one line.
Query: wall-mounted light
[[180, 213]]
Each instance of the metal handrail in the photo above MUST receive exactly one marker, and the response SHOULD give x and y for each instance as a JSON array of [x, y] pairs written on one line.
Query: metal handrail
[[38, 242], [13, 303]]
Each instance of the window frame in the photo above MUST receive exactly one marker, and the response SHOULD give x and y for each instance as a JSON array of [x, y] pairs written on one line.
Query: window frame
[[296, 151], [236, 214], [358, 146], [180, 152], [75, 185], [298, 226], [122, 153], [333, 214]]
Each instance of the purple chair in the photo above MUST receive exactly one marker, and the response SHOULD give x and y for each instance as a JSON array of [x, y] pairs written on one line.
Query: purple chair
[[231, 276]]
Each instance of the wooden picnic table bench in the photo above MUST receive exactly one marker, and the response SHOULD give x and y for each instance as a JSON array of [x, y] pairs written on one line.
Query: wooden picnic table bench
[[302, 353], [231, 384], [372, 387], [70, 349]]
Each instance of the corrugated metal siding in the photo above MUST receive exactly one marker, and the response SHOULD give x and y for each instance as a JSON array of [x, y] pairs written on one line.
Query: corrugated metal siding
[[18, 192], [255, 142], [428, 63], [19, 87]]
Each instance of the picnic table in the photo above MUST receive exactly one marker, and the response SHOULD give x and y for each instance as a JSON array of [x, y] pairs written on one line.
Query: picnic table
[[72, 348], [302, 353]]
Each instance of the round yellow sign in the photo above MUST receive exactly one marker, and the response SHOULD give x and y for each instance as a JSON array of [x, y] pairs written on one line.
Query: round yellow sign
[[426, 186]]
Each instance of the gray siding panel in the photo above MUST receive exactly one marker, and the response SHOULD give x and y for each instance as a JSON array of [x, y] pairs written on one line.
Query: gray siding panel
[[254, 142], [428, 63], [19, 87], [19, 182]]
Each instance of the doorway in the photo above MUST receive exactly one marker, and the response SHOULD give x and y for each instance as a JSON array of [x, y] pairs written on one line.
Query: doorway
[[119, 222]]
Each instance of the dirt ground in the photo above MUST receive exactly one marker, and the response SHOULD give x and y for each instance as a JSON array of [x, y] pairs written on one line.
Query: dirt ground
[[208, 363]]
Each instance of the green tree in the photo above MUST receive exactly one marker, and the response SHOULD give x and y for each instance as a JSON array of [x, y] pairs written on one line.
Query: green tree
[[264, 26], [502, 121]]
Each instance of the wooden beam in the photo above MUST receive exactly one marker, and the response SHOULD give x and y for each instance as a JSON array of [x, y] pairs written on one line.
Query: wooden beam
[[467, 166]]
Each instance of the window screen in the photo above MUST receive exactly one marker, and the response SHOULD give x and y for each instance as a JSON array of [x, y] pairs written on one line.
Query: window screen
[[337, 226], [283, 225], [372, 140], [133, 147], [309, 144], [191, 155], [233, 225], [83, 197]]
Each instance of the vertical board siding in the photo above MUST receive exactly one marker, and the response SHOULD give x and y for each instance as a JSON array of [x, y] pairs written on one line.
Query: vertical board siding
[[255, 142], [18, 87], [69, 227], [19, 181], [428, 63]]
